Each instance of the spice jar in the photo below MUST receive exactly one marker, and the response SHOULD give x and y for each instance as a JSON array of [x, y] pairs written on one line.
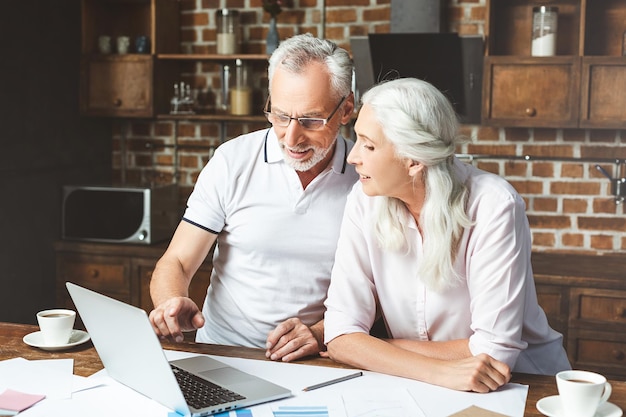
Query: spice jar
[[228, 31], [544, 30]]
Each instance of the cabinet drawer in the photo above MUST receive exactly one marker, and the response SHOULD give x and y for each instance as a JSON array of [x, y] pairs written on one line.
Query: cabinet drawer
[[105, 276], [603, 352], [593, 306], [531, 92]]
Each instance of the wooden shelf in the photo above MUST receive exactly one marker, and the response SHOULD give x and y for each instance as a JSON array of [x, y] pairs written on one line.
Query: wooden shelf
[[213, 57]]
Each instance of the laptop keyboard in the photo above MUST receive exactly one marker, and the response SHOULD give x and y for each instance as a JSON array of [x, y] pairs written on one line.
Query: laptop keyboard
[[200, 393]]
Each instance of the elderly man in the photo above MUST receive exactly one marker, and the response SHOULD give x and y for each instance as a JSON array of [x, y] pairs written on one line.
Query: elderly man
[[273, 199]]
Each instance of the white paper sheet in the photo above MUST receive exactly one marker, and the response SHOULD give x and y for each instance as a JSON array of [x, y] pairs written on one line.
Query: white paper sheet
[[50, 377]]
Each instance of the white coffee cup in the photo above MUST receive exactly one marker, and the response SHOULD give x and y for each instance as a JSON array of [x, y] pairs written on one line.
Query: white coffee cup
[[56, 325], [104, 44], [123, 42], [582, 392]]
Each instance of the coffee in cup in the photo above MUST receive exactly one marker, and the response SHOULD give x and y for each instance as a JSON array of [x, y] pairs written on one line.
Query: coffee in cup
[[56, 326], [582, 392]]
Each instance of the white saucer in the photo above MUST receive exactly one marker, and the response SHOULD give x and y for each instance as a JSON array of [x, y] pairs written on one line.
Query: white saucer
[[551, 407], [35, 339]]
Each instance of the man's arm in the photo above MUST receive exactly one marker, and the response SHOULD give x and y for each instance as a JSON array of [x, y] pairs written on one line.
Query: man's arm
[[174, 312]]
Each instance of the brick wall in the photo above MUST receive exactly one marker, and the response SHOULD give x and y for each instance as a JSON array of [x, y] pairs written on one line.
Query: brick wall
[[569, 203]]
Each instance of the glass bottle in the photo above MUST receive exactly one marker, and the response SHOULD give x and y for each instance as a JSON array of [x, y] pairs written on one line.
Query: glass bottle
[[240, 92], [228, 31], [545, 19]]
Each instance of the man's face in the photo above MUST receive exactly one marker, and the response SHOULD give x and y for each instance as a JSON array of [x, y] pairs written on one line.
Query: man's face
[[307, 95]]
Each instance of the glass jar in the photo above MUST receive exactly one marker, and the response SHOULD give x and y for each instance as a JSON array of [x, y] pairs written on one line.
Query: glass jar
[[545, 20], [228, 31], [240, 91]]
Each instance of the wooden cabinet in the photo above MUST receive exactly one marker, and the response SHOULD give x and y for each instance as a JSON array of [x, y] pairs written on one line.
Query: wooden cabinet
[[584, 298], [123, 85], [117, 86], [119, 271], [141, 84], [578, 87]]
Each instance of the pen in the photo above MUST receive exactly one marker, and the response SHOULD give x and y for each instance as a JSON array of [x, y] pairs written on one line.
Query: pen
[[332, 381]]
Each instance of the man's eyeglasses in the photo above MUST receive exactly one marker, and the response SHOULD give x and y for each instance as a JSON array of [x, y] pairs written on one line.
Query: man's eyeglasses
[[308, 123]]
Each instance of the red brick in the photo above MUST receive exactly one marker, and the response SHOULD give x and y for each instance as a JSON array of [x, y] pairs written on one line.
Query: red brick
[[566, 151], [515, 168], [543, 239], [573, 239], [572, 170], [341, 16], [491, 149], [488, 133], [545, 204], [574, 135], [571, 205], [194, 19], [516, 134], [604, 205], [543, 169], [603, 152], [527, 187], [576, 188], [602, 242], [549, 222], [602, 223], [600, 135], [492, 167]]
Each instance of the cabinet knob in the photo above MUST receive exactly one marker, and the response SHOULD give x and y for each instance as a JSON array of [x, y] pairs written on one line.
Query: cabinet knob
[[95, 273], [117, 102], [618, 354], [531, 112], [620, 313]]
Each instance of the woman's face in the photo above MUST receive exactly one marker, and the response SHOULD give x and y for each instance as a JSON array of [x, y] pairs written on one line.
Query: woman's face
[[381, 171]]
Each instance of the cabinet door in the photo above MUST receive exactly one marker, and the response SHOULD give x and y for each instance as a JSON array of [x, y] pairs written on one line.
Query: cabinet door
[[603, 86], [531, 92], [118, 86]]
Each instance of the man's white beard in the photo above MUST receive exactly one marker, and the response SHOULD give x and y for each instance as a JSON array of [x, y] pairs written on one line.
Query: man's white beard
[[318, 155]]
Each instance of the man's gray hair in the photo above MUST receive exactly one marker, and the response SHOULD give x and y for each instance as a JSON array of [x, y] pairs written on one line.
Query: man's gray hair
[[295, 53]]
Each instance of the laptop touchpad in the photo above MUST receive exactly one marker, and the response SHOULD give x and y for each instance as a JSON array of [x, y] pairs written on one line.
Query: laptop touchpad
[[226, 375]]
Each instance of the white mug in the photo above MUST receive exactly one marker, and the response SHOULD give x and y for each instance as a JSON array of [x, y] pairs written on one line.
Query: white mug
[[56, 326], [104, 44], [582, 392], [123, 42]]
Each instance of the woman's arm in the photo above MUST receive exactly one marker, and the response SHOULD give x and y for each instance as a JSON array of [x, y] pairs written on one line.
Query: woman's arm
[[472, 373]]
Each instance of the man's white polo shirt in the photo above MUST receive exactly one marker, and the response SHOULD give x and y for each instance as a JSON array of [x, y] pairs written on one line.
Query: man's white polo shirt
[[276, 241]]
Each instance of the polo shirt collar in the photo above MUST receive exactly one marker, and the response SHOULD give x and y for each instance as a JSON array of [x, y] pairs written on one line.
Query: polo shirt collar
[[273, 152]]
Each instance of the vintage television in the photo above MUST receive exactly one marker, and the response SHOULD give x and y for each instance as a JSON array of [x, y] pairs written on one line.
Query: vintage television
[[119, 214]]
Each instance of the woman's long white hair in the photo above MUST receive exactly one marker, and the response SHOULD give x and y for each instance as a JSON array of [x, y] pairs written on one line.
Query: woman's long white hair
[[422, 125]]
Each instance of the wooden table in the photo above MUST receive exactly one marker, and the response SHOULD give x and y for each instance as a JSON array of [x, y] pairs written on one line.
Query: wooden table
[[87, 362]]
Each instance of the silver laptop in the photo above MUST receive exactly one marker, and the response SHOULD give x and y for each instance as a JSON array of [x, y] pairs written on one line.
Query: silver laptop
[[132, 355]]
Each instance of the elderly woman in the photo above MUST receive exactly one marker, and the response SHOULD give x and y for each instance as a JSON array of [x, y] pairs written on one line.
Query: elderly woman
[[437, 247]]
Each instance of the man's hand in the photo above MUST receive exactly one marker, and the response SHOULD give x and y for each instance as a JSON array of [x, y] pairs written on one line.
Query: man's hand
[[175, 316], [292, 340]]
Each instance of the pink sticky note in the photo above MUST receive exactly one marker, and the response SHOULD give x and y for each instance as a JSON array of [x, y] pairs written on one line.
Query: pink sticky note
[[11, 400]]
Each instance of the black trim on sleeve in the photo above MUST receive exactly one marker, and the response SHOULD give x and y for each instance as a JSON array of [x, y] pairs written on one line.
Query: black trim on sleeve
[[201, 227], [345, 156]]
